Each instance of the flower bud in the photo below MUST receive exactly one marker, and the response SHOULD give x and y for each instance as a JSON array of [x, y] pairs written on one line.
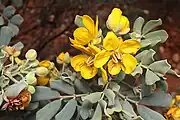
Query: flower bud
[[43, 80], [47, 64], [42, 71], [18, 61], [31, 79], [63, 58], [31, 89], [31, 54]]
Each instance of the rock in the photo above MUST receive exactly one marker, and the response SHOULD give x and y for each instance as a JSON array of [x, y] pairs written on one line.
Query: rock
[[176, 57]]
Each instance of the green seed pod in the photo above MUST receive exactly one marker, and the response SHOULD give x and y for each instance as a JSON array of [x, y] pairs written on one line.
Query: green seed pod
[[34, 63], [42, 71], [31, 89], [31, 54]]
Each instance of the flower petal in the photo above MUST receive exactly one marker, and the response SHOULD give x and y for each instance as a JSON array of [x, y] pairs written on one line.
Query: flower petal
[[82, 35], [125, 28], [96, 27], [101, 58], [129, 63], [75, 41], [78, 61], [89, 24], [94, 50], [82, 48], [130, 46], [88, 72], [113, 22], [104, 75], [111, 41], [114, 68]]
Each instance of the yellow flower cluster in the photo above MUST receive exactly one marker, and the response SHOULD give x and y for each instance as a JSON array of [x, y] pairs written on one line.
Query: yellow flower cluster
[[174, 111], [98, 53]]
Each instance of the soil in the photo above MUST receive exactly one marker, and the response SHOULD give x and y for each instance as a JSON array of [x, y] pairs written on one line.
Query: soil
[[48, 24]]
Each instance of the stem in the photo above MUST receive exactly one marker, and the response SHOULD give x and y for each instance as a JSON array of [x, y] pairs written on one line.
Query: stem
[[71, 96], [126, 98], [11, 78], [63, 67]]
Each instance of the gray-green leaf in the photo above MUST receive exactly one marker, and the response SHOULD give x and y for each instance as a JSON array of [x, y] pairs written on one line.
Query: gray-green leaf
[[148, 114], [93, 97], [98, 113], [68, 111], [5, 35], [116, 107], [172, 72], [9, 11], [44, 93], [114, 86], [138, 25], [110, 96], [62, 86], [82, 86], [151, 25], [1, 20], [138, 70], [17, 19], [85, 109], [159, 99], [127, 108], [151, 77], [14, 29], [48, 111], [104, 106], [162, 34], [160, 67], [15, 89]]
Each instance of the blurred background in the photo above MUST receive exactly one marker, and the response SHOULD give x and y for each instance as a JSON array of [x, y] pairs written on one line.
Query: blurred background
[[48, 24]]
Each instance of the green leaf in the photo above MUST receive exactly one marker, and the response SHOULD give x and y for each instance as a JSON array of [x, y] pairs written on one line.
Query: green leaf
[[110, 96], [138, 25], [150, 25], [82, 86], [163, 85], [115, 108], [62, 86], [148, 114], [93, 97], [78, 21], [150, 41], [114, 86], [104, 106], [33, 106], [161, 67], [5, 35], [98, 113], [138, 70], [14, 89], [85, 109], [48, 111], [127, 108], [9, 11], [159, 99], [68, 111], [146, 56], [151, 77], [138, 118], [17, 19], [162, 34], [14, 29], [172, 72], [1, 20], [17, 3], [19, 46], [44, 93]]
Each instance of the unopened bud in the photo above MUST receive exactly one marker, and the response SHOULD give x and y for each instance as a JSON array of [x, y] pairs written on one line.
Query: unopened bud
[[31, 54], [43, 80], [42, 71], [31, 89], [31, 79]]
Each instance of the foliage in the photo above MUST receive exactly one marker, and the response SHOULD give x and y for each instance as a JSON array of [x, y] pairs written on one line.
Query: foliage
[[97, 84]]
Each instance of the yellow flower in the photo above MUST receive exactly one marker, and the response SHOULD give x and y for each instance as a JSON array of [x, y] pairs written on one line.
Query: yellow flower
[[88, 33], [85, 63], [43, 80], [120, 52], [117, 22]]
